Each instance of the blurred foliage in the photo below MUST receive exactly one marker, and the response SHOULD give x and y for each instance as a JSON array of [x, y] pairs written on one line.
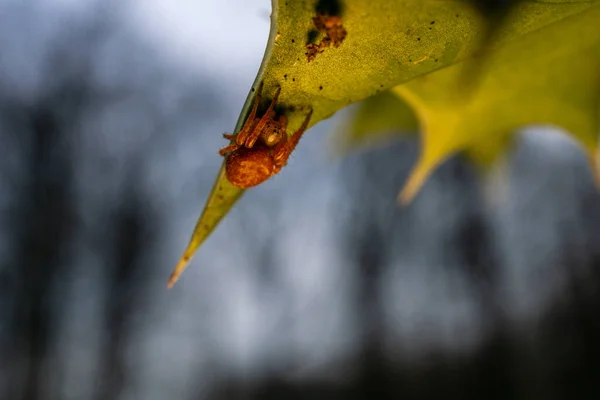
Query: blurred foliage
[[377, 119], [522, 53]]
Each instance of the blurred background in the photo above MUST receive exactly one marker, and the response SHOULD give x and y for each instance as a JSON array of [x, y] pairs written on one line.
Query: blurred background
[[316, 286]]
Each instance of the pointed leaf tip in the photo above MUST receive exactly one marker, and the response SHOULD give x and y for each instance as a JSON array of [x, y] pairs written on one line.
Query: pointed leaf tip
[[222, 197], [181, 266], [415, 182]]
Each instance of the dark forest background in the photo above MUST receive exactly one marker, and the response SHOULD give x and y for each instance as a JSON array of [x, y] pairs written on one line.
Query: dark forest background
[[318, 286]]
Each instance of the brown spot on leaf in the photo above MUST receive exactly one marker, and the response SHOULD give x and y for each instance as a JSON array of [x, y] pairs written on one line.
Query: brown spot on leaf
[[312, 50], [334, 34]]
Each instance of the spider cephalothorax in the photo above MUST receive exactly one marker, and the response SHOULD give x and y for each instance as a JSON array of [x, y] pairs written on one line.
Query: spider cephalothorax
[[262, 147]]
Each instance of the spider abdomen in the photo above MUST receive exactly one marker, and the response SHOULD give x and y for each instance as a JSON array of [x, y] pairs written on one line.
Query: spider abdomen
[[249, 167]]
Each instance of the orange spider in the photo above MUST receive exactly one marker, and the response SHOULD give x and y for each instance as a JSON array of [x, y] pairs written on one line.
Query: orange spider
[[261, 147]]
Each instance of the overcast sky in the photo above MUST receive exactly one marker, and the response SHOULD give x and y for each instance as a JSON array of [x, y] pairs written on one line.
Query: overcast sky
[[225, 38]]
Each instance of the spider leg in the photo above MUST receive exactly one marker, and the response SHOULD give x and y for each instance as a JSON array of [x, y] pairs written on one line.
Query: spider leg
[[250, 121], [282, 151], [231, 147], [229, 136], [260, 126]]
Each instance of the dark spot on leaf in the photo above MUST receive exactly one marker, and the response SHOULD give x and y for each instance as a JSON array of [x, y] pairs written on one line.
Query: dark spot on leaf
[[432, 22], [293, 41], [253, 89], [331, 7], [312, 36], [419, 39], [429, 28], [380, 86], [285, 76], [436, 60], [320, 87], [293, 79], [456, 15]]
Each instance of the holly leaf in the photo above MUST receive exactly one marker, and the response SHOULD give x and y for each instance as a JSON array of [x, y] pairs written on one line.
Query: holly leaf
[[325, 55], [550, 76], [532, 81], [376, 120]]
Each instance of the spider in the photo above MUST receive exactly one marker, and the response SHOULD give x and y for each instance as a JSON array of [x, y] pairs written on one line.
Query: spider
[[261, 147]]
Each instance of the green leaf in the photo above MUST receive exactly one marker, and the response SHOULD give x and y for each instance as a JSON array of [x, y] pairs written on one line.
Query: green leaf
[[387, 43], [222, 197], [375, 120], [533, 80]]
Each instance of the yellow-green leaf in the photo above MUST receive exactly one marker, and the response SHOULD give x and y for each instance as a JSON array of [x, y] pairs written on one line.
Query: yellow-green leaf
[[375, 120], [550, 76], [387, 43]]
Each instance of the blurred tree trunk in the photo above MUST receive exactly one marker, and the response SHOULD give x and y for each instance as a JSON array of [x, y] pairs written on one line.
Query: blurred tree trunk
[[42, 222], [133, 231]]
